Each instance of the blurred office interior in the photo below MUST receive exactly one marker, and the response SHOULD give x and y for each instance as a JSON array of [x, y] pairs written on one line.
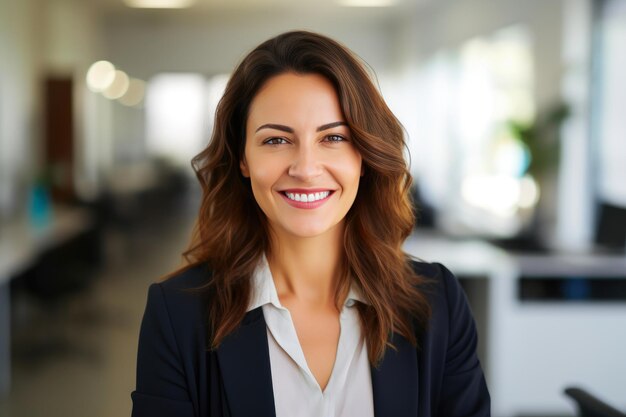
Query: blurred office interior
[[514, 113]]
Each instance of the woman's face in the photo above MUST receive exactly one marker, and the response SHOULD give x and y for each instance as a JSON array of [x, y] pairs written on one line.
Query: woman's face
[[303, 168]]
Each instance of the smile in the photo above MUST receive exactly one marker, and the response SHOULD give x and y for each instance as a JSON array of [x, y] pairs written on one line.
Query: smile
[[301, 199], [307, 198]]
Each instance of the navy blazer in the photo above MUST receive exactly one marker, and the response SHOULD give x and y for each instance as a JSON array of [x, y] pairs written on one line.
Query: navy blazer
[[177, 376]]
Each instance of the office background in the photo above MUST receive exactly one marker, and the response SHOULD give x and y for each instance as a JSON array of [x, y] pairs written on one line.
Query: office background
[[515, 127]]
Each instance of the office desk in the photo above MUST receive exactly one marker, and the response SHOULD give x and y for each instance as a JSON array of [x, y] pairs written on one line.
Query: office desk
[[531, 350], [550, 343], [20, 246]]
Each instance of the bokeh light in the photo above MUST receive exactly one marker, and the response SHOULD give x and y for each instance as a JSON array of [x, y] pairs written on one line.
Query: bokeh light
[[118, 87], [100, 76], [134, 94]]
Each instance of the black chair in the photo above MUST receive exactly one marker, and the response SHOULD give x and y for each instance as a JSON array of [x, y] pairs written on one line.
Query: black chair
[[611, 227], [591, 406]]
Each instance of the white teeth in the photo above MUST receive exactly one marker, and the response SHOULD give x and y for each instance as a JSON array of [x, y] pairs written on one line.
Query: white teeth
[[308, 198]]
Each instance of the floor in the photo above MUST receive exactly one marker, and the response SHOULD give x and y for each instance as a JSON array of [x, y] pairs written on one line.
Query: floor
[[78, 359]]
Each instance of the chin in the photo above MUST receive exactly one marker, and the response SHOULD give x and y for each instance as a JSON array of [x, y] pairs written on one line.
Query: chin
[[306, 232], [309, 229]]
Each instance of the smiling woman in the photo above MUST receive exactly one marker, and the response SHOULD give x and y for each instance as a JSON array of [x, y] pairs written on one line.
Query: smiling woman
[[297, 298], [309, 155]]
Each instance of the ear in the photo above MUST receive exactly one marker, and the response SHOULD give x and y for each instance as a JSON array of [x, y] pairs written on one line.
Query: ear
[[362, 169], [244, 168]]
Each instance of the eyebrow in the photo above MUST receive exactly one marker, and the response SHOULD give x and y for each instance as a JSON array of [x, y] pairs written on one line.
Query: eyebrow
[[275, 126], [290, 130], [330, 126]]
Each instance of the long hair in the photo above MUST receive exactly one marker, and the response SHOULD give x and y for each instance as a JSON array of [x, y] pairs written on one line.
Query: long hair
[[231, 232]]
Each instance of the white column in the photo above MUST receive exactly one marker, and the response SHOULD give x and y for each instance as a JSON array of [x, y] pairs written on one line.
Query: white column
[[574, 227]]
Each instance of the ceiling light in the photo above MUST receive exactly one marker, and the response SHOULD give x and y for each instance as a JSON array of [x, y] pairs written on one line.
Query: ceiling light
[[160, 4], [367, 3]]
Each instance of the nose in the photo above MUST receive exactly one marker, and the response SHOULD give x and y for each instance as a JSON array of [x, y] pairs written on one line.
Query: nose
[[306, 164]]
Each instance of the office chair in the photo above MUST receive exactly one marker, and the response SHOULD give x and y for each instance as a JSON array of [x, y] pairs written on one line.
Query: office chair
[[591, 406]]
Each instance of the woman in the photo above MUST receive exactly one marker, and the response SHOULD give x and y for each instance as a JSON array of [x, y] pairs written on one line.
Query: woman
[[298, 299]]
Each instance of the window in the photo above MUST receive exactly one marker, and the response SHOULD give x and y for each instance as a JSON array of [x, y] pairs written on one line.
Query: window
[[476, 176], [179, 114]]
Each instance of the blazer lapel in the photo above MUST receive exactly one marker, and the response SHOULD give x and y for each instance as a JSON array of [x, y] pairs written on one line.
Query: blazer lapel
[[244, 363], [394, 381]]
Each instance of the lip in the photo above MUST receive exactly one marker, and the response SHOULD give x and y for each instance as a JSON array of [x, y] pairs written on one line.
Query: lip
[[301, 204], [305, 190]]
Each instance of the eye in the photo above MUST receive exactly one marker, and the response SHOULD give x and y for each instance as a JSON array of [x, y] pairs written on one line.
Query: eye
[[275, 141], [334, 138]]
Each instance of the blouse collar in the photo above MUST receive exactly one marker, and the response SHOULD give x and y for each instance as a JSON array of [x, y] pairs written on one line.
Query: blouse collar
[[264, 289]]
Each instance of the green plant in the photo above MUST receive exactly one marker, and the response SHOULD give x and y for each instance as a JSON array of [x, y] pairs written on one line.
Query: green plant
[[542, 138]]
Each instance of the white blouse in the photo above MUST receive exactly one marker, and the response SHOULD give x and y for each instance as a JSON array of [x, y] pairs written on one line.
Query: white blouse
[[296, 391]]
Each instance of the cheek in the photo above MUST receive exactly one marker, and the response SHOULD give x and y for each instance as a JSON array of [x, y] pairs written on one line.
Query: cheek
[[263, 176], [351, 169]]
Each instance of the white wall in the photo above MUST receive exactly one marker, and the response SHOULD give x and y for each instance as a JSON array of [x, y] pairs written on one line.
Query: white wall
[[612, 102], [19, 91], [446, 24], [145, 45]]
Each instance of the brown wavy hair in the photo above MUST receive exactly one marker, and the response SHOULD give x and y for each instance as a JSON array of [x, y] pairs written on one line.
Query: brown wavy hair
[[231, 233]]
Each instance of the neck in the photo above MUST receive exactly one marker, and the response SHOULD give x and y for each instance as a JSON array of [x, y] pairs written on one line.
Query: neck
[[307, 270]]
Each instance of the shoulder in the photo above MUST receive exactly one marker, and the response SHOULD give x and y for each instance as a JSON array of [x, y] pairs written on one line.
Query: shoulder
[[440, 284], [181, 299], [187, 279], [450, 310]]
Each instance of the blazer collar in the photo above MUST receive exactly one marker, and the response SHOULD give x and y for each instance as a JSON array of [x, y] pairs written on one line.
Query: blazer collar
[[244, 363], [394, 380]]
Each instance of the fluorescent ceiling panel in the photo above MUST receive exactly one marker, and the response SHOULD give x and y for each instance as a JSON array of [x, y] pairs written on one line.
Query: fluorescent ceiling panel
[[160, 4], [367, 3]]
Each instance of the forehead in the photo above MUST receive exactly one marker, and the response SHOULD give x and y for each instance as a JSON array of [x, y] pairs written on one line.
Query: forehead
[[297, 99]]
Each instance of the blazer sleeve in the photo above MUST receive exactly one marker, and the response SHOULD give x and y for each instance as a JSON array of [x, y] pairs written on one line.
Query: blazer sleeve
[[161, 389], [464, 391]]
